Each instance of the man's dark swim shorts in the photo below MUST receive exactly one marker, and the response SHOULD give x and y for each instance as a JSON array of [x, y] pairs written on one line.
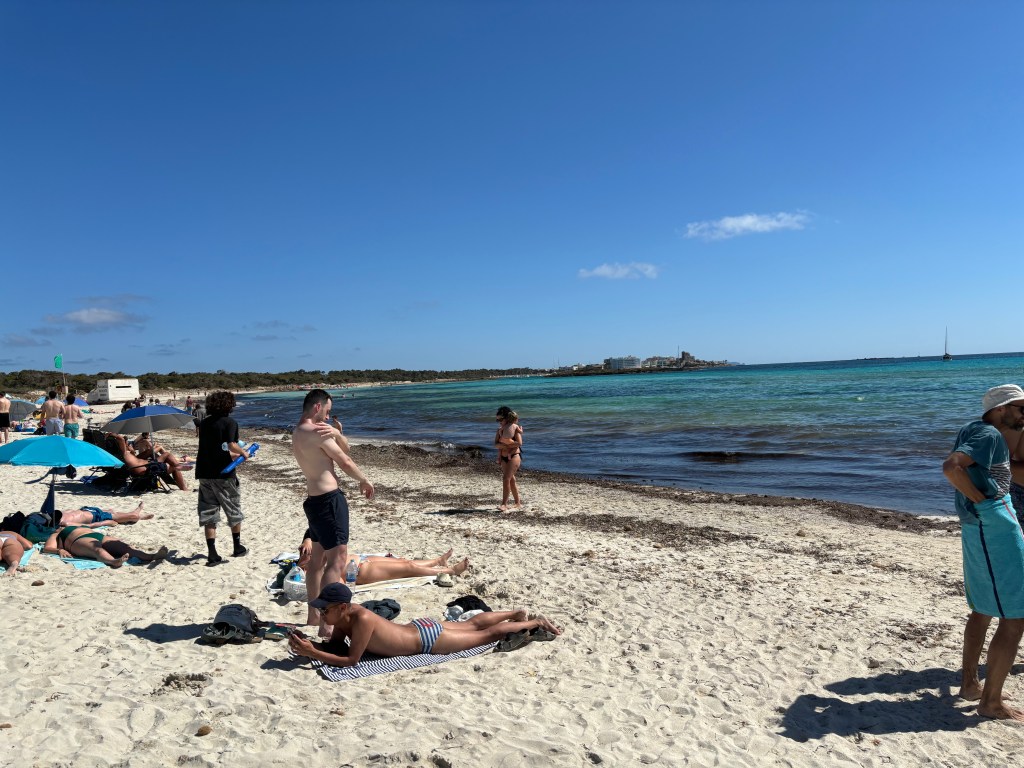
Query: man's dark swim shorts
[[327, 515]]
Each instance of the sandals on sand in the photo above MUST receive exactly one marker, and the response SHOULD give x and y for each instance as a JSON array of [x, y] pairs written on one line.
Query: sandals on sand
[[514, 640], [444, 580]]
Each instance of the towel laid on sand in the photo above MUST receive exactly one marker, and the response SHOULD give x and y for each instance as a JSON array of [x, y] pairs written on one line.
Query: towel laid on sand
[[410, 581], [377, 665], [83, 564]]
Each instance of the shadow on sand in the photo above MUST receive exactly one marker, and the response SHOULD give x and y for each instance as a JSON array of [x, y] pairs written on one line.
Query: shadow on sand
[[936, 708], [168, 633]]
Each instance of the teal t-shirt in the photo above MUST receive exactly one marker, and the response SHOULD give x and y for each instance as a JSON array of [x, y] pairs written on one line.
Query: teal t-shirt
[[990, 472]]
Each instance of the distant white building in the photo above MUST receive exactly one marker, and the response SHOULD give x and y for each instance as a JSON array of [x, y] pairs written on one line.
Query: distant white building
[[660, 362], [621, 363]]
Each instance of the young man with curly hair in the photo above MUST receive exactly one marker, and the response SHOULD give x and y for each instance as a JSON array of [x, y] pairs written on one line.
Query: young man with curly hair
[[218, 447]]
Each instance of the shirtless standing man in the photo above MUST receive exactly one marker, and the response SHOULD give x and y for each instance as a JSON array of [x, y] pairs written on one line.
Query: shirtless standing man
[[5, 415], [53, 414], [72, 415], [317, 448]]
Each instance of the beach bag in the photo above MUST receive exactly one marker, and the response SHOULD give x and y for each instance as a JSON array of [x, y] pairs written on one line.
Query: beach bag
[[294, 584], [37, 527], [233, 623], [13, 522]]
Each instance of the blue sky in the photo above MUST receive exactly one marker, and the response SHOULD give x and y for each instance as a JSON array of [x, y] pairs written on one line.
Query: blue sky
[[320, 185]]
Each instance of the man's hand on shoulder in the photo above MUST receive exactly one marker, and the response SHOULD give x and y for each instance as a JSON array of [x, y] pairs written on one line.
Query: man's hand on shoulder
[[326, 430]]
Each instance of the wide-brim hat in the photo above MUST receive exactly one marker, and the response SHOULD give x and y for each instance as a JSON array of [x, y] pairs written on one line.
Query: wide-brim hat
[[1001, 395]]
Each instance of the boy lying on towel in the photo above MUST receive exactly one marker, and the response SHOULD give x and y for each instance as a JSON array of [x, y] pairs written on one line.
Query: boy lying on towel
[[367, 631], [96, 517]]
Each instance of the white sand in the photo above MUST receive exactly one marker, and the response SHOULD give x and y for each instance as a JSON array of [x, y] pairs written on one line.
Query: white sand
[[838, 645]]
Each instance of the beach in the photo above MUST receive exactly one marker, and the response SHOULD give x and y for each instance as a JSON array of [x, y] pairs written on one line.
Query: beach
[[699, 629]]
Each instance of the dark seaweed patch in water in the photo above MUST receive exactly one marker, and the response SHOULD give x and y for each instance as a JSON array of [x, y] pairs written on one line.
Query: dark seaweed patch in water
[[735, 457]]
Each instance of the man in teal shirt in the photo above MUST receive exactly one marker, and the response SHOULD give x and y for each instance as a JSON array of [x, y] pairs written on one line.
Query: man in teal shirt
[[993, 546]]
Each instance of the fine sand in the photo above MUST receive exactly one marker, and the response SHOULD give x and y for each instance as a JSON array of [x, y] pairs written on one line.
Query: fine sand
[[700, 629]]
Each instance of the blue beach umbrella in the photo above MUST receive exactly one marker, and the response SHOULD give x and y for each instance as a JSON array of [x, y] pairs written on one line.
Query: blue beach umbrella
[[81, 403], [148, 418], [55, 451], [41, 400]]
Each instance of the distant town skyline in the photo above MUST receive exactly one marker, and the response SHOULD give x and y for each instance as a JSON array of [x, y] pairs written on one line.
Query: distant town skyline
[[360, 186]]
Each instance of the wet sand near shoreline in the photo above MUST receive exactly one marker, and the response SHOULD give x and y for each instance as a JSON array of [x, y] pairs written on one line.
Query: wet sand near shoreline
[[700, 629]]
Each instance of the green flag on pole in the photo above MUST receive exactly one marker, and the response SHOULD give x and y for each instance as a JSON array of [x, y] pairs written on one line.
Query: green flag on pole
[[58, 361]]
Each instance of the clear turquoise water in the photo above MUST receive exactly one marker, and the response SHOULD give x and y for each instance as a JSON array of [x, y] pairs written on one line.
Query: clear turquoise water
[[873, 432]]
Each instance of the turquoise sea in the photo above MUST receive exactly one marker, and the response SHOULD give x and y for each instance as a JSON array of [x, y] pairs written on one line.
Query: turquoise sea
[[872, 432]]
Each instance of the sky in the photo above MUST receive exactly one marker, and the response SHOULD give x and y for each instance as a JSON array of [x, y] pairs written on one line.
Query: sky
[[269, 186]]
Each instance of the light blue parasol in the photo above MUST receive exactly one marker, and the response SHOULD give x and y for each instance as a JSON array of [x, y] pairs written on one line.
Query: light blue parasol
[[55, 451]]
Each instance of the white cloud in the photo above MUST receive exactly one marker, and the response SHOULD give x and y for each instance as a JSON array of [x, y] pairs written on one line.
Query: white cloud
[[95, 319], [618, 271], [747, 224]]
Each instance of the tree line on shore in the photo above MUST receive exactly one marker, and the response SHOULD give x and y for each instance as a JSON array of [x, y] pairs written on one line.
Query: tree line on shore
[[29, 380]]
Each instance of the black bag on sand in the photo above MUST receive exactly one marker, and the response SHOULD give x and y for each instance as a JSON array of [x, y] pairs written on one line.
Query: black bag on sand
[[470, 603], [233, 623], [13, 522]]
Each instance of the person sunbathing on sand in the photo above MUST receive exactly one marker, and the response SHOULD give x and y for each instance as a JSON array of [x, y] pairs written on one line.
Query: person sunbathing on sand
[[146, 448], [80, 541], [89, 518], [12, 549], [367, 631], [139, 467], [374, 568]]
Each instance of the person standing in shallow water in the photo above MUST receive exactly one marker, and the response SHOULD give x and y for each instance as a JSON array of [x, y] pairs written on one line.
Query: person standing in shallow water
[[993, 546], [509, 441]]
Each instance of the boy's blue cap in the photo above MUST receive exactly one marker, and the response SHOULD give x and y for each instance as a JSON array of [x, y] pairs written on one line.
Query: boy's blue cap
[[332, 593]]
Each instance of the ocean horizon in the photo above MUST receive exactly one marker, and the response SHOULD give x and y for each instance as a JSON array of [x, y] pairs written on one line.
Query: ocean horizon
[[872, 431]]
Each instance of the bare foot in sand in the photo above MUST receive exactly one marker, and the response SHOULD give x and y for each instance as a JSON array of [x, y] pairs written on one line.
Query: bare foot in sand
[[117, 562], [160, 553], [139, 512], [11, 571], [970, 690], [544, 623], [443, 559], [1001, 711], [459, 568]]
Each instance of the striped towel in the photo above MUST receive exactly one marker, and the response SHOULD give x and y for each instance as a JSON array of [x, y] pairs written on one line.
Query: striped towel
[[377, 665]]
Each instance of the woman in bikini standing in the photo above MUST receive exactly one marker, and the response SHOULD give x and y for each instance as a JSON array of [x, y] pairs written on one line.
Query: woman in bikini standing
[[509, 442]]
